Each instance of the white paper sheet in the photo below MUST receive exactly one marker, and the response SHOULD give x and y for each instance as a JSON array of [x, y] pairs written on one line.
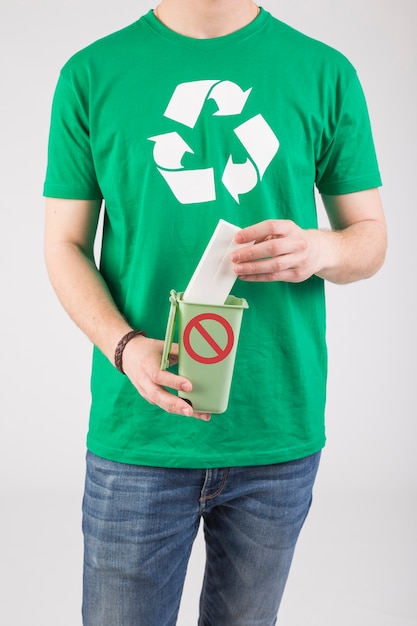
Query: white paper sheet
[[214, 277]]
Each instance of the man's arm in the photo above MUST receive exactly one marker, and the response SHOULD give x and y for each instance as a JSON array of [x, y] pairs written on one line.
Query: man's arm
[[70, 227], [354, 249]]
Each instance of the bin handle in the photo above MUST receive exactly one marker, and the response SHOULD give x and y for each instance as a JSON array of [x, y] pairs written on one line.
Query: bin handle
[[169, 335]]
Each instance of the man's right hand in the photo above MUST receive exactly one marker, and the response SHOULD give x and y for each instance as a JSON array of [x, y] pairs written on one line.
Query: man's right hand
[[141, 363]]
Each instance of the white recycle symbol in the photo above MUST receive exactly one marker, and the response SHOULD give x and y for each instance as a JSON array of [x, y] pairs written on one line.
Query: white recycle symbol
[[185, 106]]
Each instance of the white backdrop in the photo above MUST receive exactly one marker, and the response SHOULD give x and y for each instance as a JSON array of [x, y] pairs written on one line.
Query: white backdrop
[[369, 467]]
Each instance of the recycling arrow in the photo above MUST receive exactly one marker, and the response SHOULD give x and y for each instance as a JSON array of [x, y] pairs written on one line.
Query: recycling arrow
[[259, 140], [255, 134], [187, 102], [262, 145], [169, 150], [229, 97], [191, 186], [239, 178]]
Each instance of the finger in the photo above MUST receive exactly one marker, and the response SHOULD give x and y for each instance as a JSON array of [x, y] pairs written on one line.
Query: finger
[[292, 260], [273, 265], [178, 406], [259, 232], [174, 350], [173, 355], [164, 378], [265, 249], [291, 275], [205, 417], [170, 402], [198, 415]]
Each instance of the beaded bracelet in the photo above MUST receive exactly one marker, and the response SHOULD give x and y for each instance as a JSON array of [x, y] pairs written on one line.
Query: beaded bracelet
[[118, 354]]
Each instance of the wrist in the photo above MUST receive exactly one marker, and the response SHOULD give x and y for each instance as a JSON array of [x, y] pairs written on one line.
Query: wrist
[[121, 345], [324, 251]]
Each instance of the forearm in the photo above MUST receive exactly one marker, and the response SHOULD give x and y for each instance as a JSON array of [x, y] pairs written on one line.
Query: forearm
[[345, 256], [85, 296], [70, 228], [355, 248]]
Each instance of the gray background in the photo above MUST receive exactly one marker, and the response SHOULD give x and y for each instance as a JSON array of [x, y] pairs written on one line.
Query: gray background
[[356, 561]]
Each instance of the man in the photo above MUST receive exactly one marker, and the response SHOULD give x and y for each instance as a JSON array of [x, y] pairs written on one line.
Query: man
[[201, 110]]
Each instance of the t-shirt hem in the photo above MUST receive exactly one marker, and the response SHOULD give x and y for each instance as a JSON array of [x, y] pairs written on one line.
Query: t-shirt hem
[[237, 459], [350, 186], [57, 191]]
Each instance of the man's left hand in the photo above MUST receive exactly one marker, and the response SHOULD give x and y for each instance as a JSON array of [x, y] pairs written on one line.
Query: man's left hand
[[282, 252]]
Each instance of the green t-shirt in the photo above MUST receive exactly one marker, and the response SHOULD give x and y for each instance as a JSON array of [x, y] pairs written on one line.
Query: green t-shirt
[[175, 133]]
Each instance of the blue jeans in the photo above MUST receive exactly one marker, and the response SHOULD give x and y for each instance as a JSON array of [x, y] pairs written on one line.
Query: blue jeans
[[139, 525]]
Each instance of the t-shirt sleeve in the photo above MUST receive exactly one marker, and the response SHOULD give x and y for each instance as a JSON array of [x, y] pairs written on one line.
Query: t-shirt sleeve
[[70, 171], [348, 162]]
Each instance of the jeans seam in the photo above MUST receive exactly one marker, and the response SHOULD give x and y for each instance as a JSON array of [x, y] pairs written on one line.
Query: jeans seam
[[219, 490]]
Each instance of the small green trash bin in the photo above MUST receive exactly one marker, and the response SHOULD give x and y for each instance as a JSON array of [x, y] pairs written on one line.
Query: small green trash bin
[[208, 336]]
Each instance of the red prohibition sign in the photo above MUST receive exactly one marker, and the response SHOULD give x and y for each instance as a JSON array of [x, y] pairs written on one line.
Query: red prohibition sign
[[195, 324]]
